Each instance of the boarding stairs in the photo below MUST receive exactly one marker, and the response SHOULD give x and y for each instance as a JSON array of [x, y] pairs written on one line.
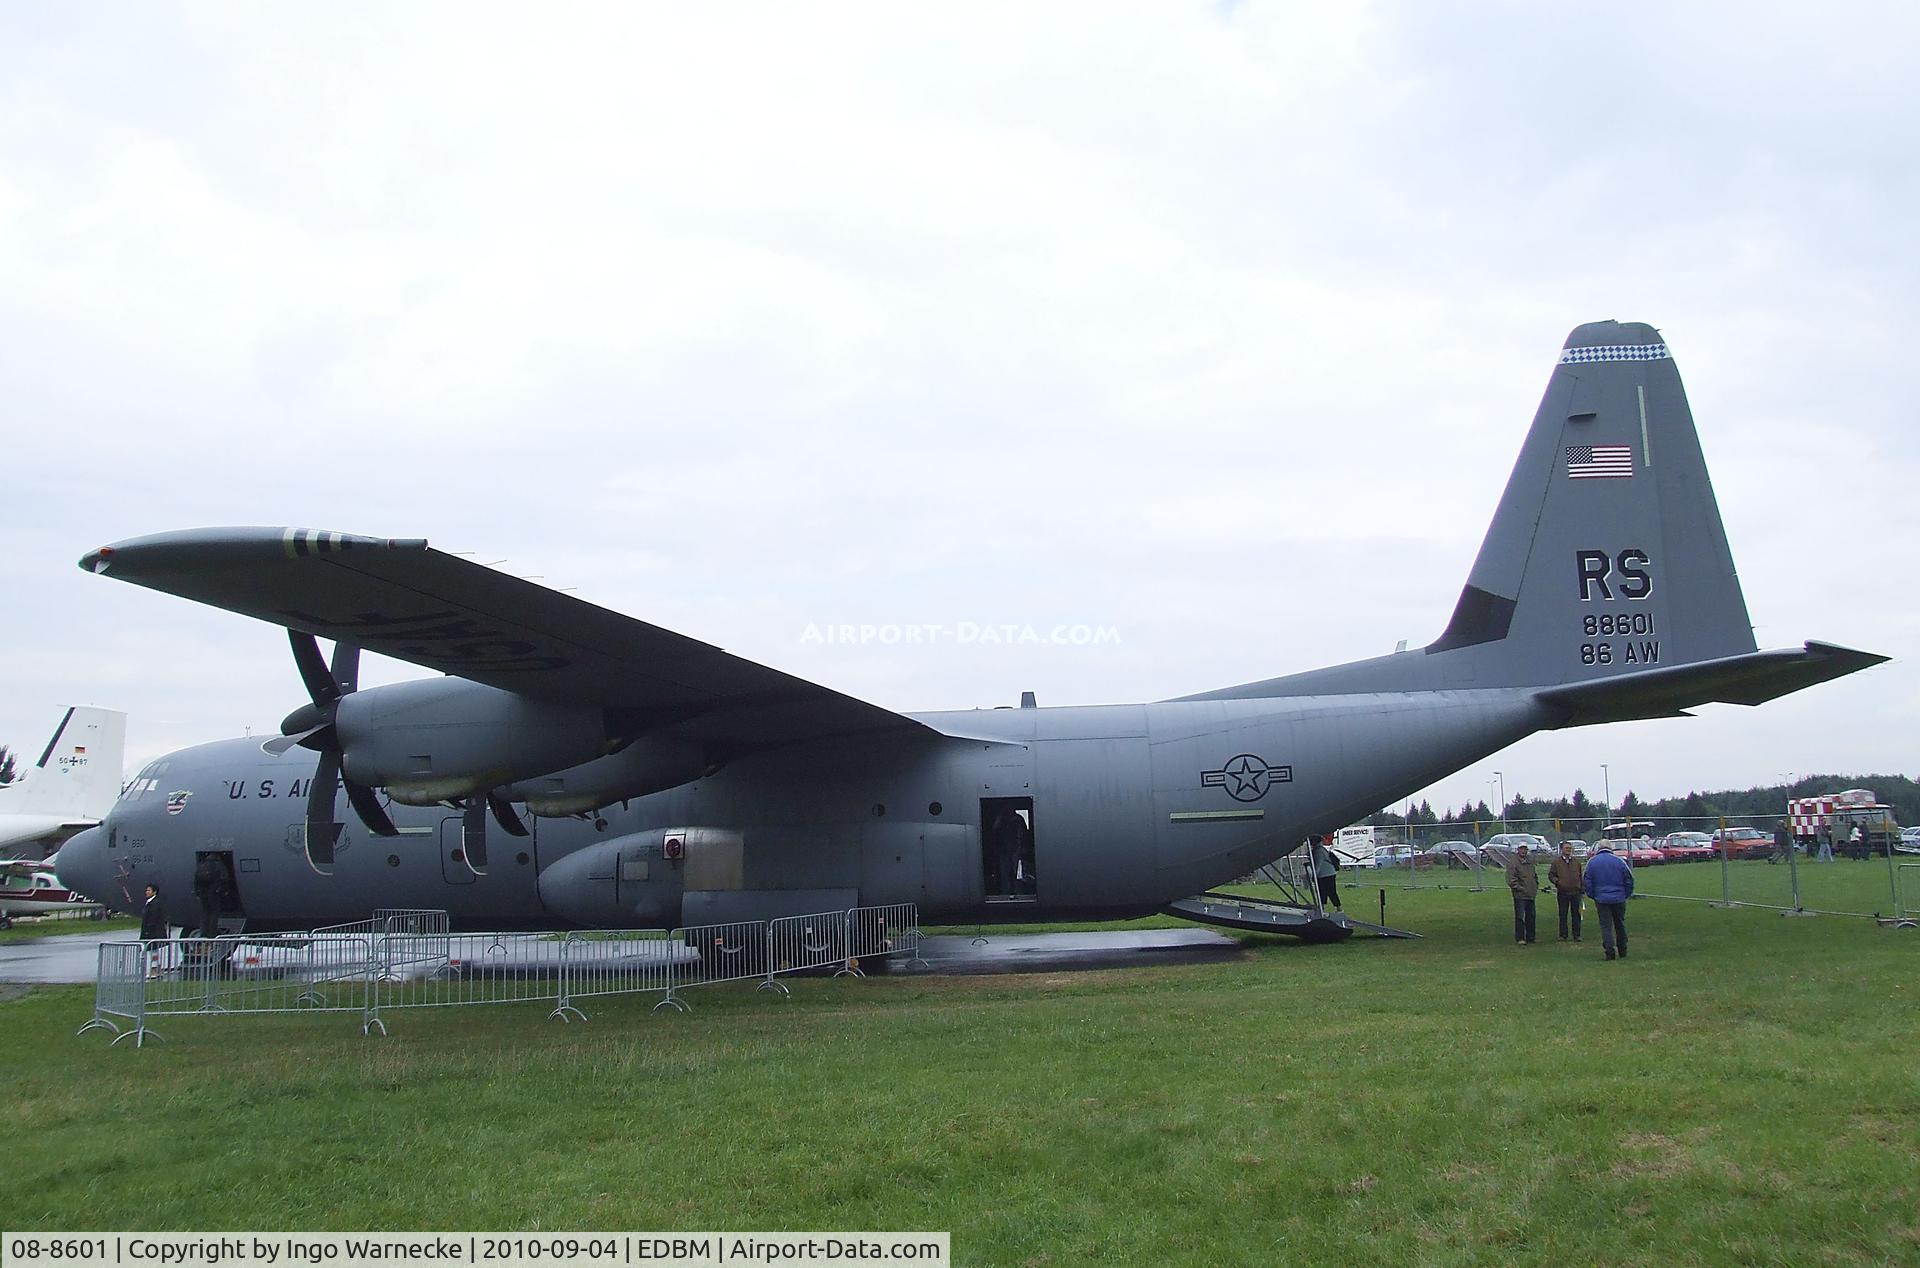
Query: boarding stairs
[[1296, 912]]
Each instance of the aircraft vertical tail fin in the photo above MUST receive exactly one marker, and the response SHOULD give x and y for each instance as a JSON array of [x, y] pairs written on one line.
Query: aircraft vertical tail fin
[[1604, 581], [1606, 554], [78, 774]]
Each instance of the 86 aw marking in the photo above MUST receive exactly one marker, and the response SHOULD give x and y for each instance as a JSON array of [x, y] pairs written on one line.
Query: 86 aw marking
[[1628, 575]]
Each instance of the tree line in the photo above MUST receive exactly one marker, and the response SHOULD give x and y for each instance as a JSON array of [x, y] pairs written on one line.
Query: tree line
[[1579, 814]]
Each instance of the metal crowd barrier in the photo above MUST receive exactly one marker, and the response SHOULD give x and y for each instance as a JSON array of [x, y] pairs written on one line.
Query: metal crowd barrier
[[406, 920], [438, 970], [736, 952], [1906, 903], [409, 960], [796, 944], [615, 962], [118, 992], [878, 933], [208, 976]]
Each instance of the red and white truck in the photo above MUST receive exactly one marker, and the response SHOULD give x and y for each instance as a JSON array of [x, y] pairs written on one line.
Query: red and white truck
[[1839, 813]]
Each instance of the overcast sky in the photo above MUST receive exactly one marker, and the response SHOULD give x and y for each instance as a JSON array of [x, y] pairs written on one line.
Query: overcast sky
[[1217, 327]]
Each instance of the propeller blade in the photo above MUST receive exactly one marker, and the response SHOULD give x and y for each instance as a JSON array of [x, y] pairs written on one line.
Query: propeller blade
[[367, 805], [281, 743], [473, 836], [345, 667], [503, 814], [323, 831], [321, 686]]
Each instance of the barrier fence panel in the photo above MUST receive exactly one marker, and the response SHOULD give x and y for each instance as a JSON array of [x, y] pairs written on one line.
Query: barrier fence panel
[[262, 974], [119, 991], [409, 960], [877, 933], [413, 920], [798, 943], [733, 952], [437, 970], [601, 962], [412, 955]]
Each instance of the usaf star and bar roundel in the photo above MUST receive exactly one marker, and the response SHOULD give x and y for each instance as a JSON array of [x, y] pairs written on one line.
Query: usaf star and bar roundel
[[1246, 777]]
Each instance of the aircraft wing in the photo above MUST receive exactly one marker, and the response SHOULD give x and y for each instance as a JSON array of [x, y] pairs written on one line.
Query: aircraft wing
[[401, 598], [1752, 678]]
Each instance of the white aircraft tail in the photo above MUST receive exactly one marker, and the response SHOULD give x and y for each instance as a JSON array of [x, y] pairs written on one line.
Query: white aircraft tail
[[78, 774]]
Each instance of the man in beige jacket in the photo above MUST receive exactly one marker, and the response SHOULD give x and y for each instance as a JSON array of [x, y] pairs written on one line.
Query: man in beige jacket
[[1525, 884], [1564, 873]]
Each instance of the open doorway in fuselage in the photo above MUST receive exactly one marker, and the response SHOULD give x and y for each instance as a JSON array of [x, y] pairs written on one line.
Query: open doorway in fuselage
[[1007, 849], [216, 894]]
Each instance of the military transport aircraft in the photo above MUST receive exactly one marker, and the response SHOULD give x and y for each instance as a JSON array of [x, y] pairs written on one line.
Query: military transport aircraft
[[576, 767]]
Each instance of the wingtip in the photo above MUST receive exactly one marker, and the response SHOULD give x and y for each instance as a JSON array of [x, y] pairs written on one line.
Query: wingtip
[[137, 553], [1853, 658]]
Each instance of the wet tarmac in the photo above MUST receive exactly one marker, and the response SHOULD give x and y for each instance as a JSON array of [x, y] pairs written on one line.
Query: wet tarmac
[[71, 958], [67, 957]]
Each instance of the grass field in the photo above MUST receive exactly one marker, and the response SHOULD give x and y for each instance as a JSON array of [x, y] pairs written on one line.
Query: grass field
[[1742, 1090]]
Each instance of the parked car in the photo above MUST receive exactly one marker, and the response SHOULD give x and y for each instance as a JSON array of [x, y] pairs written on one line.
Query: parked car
[[1502, 847], [1581, 850], [1455, 854], [1744, 843], [1401, 856], [1687, 847], [1643, 854]]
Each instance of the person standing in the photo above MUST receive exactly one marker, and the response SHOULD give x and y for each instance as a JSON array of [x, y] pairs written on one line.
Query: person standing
[[1826, 845], [154, 932], [1856, 843], [1568, 886], [1325, 869], [1524, 881], [1609, 882], [206, 892]]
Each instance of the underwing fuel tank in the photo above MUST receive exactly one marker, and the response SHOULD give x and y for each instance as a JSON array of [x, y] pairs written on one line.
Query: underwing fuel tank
[[648, 765], [628, 882]]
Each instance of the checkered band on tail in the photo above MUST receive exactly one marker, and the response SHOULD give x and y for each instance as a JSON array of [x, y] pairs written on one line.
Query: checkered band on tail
[[1616, 352]]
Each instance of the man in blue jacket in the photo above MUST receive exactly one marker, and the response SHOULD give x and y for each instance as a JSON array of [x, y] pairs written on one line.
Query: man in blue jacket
[[1609, 882]]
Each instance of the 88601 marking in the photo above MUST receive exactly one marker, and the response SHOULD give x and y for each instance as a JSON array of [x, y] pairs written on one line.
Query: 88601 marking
[[1610, 624]]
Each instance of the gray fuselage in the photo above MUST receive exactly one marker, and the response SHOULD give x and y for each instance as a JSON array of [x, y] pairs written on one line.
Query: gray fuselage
[[1129, 807]]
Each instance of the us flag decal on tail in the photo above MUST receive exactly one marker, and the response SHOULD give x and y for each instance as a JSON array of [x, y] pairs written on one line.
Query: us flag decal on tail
[[1599, 462]]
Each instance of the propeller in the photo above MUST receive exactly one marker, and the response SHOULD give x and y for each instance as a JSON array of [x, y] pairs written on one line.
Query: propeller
[[473, 827], [312, 726]]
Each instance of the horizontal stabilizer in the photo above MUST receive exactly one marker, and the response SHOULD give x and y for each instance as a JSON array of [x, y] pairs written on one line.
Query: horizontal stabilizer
[[1752, 678]]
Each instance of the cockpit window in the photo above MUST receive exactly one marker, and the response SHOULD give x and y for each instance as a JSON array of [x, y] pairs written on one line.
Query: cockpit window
[[145, 782]]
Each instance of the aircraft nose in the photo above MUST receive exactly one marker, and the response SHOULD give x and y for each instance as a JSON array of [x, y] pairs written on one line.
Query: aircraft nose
[[81, 865]]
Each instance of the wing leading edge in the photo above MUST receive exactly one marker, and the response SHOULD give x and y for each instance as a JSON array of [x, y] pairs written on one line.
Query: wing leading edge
[[401, 598]]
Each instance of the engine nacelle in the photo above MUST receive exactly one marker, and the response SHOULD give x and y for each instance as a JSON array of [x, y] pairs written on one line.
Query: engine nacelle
[[439, 738], [648, 765]]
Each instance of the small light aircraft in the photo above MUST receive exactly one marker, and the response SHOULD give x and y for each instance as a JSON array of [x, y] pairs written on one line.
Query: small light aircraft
[[576, 767], [31, 889]]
